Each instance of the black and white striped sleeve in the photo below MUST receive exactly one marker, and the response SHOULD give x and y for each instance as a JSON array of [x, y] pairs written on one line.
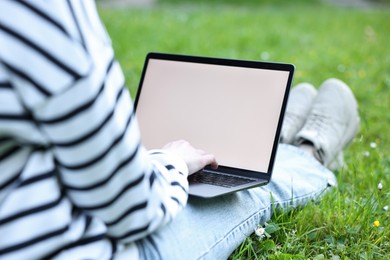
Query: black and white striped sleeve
[[60, 62]]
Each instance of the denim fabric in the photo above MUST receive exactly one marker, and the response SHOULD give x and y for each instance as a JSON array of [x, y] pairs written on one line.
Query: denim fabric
[[213, 228]]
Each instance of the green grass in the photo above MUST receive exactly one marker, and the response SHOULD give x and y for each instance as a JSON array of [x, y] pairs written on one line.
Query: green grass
[[323, 42]]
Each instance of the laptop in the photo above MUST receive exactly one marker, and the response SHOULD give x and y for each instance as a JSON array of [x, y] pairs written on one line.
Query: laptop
[[231, 108]]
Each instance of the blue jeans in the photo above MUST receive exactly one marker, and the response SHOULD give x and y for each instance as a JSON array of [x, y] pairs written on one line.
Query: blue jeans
[[213, 228]]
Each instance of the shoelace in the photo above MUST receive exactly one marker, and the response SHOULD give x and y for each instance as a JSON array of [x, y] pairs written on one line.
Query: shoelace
[[290, 118], [320, 123]]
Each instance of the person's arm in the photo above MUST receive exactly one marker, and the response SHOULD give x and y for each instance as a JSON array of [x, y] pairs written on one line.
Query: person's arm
[[61, 63]]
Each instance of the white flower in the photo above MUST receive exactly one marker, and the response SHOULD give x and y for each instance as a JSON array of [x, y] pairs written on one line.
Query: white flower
[[260, 232], [264, 55], [373, 145], [380, 186], [366, 153], [385, 208]]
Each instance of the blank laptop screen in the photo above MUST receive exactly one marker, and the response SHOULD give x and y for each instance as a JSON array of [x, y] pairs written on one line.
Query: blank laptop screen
[[229, 111]]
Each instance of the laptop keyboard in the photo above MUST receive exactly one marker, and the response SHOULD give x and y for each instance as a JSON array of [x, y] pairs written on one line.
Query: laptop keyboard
[[217, 179]]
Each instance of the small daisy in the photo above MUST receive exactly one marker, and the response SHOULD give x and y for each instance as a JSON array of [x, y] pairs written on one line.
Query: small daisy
[[260, 232], [380, 186], [264, 55], [386, 208], [373, 145]]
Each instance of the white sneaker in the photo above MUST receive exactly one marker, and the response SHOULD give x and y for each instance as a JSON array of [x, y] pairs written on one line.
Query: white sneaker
[[332, 123], [298, 108]]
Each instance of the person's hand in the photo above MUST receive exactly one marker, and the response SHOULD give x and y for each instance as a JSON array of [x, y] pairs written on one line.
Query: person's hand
[[194, 158]]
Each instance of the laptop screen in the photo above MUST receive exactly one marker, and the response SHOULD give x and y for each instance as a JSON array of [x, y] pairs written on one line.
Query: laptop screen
[[232, 112]]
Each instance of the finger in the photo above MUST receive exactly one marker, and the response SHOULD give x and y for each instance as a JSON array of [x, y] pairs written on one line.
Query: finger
[[210, 160], [201, 152]]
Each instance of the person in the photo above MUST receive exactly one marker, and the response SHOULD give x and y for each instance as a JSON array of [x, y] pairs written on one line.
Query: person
[[76, 182]]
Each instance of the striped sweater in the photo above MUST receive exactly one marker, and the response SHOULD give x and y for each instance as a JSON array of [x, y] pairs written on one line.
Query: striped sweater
[[75, 180]]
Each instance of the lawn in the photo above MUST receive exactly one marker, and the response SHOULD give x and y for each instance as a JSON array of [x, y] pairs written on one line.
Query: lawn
[[322, 41]]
